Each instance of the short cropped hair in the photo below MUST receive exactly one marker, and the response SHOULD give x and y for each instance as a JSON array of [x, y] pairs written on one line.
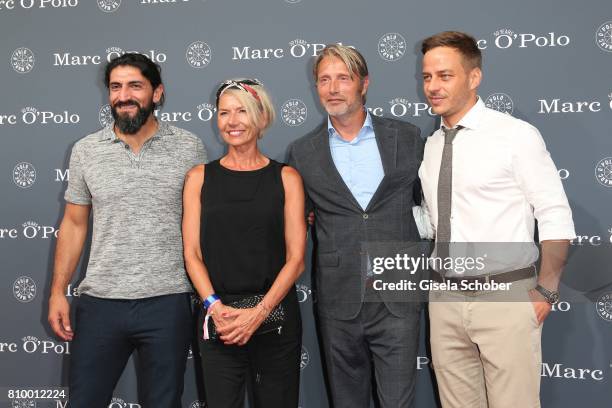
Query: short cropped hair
[[462, 42], [147, 68], [258, 103]]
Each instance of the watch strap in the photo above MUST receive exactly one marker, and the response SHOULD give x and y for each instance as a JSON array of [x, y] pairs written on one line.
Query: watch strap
[[550, 296]]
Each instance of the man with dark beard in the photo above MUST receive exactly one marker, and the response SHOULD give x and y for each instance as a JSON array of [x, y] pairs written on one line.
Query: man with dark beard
[[135, 295]]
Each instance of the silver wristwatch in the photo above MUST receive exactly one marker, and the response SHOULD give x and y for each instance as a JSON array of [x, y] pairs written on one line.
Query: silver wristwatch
[[550, 296]]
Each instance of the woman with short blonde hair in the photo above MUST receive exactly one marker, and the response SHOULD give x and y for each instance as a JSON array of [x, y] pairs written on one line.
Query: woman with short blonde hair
[[244, 237]]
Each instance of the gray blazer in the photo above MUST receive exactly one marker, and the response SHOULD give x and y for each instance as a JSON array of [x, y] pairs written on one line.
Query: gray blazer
[[341, 225]]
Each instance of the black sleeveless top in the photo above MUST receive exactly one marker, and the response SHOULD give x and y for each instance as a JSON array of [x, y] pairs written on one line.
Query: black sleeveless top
[[242, 232]]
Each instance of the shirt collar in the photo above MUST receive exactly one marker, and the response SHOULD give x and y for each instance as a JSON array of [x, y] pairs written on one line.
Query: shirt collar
[[108, 133], [473, 118], [367, 124]]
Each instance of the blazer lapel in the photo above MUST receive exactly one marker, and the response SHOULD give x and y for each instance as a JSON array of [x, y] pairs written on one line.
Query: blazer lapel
[[323, 152], [386, 139]]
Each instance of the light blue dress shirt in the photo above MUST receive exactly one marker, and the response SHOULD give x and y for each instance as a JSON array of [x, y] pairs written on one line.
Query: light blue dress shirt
[[358, 161]]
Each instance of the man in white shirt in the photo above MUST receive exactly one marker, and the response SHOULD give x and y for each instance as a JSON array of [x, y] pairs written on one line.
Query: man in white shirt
[[486, 177]]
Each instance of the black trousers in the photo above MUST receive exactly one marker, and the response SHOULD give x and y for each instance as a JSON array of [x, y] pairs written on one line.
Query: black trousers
[[270, 360], [375, 342], [107, 331]]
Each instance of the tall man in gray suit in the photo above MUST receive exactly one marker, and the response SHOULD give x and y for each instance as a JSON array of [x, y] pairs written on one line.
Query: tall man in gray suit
[[360, 174]]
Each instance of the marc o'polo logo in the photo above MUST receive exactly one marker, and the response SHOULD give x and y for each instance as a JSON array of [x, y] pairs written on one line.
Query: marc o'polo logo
[[24, 175], [391, 46], [304, 358], [68, 59], [204, 112], [28, 4], [108, 6], [560, 370], [604, 306], [31, 115], [401, 106], [603, 172], [24, 289], [22, 60], [592, 240], [501, 102], [30, 230], [297, 48], [198, 54], [603, 36], [294, 112], [505, 38]]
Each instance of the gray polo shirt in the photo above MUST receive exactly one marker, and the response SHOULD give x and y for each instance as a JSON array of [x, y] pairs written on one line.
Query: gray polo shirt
[[136, 250]]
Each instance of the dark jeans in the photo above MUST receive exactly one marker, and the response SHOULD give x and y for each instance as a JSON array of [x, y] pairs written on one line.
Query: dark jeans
[[107, 331]]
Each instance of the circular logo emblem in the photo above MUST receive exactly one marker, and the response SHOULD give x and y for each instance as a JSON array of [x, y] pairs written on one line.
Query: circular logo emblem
[[303, 292], [294, 112], [304, 358], [198, 54], [604, 306], [603, 36], [197, 404], [23, 403], [24, 289], [24, 175], [22, 60], [391, 46], [603, 172], [105, 116], [501, 102], [108, 6]]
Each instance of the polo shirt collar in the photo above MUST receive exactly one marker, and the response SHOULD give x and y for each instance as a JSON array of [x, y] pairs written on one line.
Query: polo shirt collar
[[108, 133]]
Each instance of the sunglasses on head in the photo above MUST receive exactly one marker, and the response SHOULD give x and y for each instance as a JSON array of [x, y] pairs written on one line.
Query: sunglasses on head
[[242, 84]]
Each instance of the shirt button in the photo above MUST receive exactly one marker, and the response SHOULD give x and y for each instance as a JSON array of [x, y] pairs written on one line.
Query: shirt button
[[365, 216], [127, 147]]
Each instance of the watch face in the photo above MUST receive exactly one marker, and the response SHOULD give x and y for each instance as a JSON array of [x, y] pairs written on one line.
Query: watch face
[[553, 298]]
